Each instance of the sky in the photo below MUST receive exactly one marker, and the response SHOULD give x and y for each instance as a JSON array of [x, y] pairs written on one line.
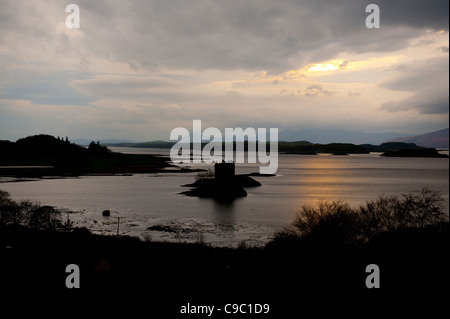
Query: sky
[[138, 69]]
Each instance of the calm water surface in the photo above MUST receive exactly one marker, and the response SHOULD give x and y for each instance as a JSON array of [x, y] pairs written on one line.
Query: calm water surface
[[145, 200]]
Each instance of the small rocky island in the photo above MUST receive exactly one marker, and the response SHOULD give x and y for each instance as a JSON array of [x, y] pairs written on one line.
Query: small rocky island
[[423, 152], [224, 184]]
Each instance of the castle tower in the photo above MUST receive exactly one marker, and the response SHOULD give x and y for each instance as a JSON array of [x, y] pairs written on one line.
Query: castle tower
[[224, 171]]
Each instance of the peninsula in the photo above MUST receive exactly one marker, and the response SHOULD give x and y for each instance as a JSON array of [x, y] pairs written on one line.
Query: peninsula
[[44, 155]]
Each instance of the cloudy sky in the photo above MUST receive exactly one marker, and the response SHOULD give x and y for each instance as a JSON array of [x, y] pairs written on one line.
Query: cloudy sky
[[137, 69]]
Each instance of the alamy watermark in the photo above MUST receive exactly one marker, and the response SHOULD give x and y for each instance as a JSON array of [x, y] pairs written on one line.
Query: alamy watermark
[[373, 19], [73, 279], [73, 19], [373, 279], [235, 150]]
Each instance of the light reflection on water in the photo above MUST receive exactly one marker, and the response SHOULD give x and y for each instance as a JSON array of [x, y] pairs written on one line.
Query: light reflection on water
[[145, 200]]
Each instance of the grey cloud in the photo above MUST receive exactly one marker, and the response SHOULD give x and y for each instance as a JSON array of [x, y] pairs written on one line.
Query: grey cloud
[[415, 13], [315, 90], [214, 34], [425, 75], [434, 103], [163, 36], [241, 34], [126, 87], [428, 80], [42, 88], [343, 64]]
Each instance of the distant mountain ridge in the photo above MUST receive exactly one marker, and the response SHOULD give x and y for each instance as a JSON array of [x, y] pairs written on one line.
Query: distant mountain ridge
[[298, 147], [86, 142], [150, 144], [47, 150], [326, 136], [437, 139]]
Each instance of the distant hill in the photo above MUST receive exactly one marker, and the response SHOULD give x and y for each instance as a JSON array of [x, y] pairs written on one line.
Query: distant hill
[[437, 139], [326, 136], [424, 152], [151, 144], [297, 147], [39, 146], [86, 142], [47, 150], [391, 146], [45, 155]]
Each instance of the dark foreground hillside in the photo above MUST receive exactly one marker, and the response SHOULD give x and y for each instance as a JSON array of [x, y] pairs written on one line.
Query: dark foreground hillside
[[292, 278], [317, 267]]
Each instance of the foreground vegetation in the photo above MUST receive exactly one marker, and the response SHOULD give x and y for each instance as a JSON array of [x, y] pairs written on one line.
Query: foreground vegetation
[[330, 224], [28, 215], [319, 261], [336, 223]]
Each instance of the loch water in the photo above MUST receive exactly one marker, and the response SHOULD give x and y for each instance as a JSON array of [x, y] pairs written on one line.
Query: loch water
[[140, 201]]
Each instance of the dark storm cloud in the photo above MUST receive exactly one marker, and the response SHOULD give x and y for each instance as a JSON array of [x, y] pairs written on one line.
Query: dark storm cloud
[[233, 34], [248, 34], [158, 62], [415, 13], [434, 103], [424, 75]]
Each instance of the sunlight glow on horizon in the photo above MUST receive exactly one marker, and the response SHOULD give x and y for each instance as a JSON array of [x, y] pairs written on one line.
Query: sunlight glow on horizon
[[333, 65]]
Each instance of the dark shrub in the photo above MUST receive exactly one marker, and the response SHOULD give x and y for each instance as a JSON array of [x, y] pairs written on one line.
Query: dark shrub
[[332, 223], [335, 223], [44, 218], [29, 214]]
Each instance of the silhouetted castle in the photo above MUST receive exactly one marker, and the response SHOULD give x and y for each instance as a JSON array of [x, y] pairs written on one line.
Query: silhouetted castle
[[224, 171], [225, 185]]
